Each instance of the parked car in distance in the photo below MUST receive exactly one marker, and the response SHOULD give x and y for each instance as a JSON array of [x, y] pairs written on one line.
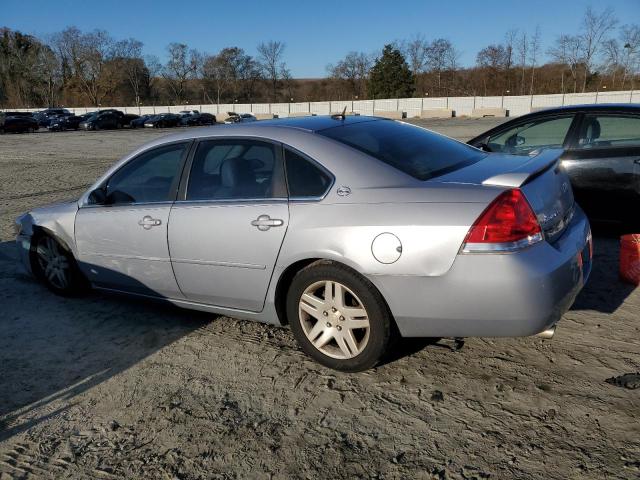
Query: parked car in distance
[[63, 122], [240, 118], [139, 122], [207, 119], [601, 153], [163, 120], [44, 117], [194, 118], [100, 121], [123, 119], [17, 122], [347, 229]]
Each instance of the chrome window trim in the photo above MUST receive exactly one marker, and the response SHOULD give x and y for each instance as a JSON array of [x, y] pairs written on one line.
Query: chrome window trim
[[226, 201], [166, 203]]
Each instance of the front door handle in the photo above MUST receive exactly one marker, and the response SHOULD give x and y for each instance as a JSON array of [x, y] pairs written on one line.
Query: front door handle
[[265, 222], [637, 161], [147, 222]]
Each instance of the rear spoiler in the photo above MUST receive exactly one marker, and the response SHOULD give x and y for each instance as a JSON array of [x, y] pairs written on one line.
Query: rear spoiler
[[539, 163]]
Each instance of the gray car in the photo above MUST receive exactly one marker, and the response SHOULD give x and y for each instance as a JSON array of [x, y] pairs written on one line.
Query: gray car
[[348, 229]]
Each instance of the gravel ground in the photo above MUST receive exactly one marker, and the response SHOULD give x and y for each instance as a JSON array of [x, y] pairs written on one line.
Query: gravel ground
[[109, 387]]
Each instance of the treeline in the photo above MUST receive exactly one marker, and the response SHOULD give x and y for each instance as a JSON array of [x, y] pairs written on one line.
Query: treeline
[[77, 68]]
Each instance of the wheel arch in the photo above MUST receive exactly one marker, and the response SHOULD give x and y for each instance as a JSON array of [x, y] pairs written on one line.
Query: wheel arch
[[286, 278]]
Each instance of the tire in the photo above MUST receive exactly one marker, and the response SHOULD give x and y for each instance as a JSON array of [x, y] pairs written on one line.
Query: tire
[[351, 330], [56, 267]]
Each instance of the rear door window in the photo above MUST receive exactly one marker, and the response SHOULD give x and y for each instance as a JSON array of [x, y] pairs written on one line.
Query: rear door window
[[234, 169], [609, 131]]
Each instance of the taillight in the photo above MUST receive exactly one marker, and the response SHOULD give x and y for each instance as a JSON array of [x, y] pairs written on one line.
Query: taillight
[[506, 225]]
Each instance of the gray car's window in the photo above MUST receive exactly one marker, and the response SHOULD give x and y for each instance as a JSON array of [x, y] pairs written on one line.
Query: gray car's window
[[303, 177], [232, 169], [412, 150], [148, 177], [526, 137], [601, 131]]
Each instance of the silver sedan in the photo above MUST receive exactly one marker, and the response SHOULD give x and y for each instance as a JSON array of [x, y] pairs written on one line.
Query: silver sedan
[[348, 229]]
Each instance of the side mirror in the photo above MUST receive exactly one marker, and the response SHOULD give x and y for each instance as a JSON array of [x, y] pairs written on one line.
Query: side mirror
[[98, 196], [484, 147]]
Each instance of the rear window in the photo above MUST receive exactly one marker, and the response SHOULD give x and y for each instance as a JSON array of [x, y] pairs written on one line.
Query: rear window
[[410, 149]]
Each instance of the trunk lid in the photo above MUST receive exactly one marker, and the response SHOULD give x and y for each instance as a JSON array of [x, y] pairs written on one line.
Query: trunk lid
[[539, 176]]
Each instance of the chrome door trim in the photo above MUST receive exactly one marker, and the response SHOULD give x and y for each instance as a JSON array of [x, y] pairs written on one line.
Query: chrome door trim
[[219, 264]]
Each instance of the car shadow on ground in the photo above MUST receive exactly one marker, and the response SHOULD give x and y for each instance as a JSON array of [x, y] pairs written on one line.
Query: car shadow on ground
[[604, 291], [54, 348]]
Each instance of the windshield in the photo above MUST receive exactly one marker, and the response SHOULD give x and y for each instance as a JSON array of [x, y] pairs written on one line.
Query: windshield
[[412, 150]]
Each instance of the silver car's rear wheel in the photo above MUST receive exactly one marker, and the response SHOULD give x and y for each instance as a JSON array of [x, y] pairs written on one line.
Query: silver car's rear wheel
[[334, 319], [338, 316]]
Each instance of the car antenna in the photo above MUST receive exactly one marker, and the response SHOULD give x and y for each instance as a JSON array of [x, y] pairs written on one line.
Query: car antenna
[[342, 115]]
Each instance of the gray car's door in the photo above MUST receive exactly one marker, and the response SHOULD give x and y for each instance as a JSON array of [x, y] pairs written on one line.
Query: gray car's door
[[226, 229], [121, 236], [604, 163]]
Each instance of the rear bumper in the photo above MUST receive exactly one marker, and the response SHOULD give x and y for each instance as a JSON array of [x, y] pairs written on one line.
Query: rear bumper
[[494, 295]]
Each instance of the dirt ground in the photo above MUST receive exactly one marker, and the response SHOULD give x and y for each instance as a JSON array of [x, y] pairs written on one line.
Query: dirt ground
[[109, 387]]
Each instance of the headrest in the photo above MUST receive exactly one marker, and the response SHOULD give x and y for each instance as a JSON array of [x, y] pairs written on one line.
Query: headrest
[[234, 172], [592, 132]]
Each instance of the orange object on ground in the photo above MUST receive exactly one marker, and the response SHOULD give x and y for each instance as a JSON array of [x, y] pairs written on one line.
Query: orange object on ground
[[630, 258]]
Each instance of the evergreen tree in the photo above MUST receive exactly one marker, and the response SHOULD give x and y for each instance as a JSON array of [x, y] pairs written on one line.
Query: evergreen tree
[[390, 76]]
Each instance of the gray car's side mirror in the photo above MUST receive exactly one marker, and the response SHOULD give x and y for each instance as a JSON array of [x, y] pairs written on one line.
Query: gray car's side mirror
[[98, 196]]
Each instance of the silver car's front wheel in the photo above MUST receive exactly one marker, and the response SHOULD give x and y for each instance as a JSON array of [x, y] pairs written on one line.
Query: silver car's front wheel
[[338, 316], [334, 319], [55, 266]]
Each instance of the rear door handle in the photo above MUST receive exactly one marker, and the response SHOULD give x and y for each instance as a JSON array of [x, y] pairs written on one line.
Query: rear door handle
[[637, 161], [147, 222], [265, 222]]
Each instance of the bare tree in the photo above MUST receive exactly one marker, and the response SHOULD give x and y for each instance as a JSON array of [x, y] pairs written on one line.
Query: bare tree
[[523, 50], [154, 69], [441, 56], [595, 28], [534, 52], [129, 54], [88, 57], [181, 66], [270, 54], [630, 56], [415, 51], [509, 42], [492, 59], [353, 69], [566, 51]]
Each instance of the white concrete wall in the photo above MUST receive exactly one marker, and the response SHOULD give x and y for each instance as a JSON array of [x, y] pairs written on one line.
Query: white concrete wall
[[517, 105]]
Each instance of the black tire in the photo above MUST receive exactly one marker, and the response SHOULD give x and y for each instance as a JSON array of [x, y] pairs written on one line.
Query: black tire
[[379, 316], [76, 284]]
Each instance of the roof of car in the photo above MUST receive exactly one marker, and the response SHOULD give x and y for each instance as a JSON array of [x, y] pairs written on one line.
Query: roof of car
[[315, 123], [635, 107]]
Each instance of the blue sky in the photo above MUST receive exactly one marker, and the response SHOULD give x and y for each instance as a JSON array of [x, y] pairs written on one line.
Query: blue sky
[[315, 32]]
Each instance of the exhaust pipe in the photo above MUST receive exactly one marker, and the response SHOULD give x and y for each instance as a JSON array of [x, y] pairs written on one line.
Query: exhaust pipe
[[547, 334]]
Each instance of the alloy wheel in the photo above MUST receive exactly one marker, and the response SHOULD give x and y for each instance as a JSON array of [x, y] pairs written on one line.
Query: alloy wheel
[[334, 319], [53, 263]]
